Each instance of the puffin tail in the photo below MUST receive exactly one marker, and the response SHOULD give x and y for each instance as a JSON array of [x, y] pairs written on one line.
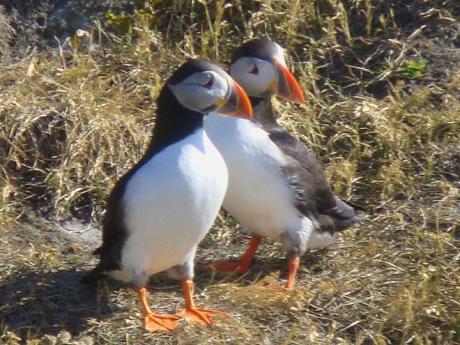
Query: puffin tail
[[344, 215], [343, 224]]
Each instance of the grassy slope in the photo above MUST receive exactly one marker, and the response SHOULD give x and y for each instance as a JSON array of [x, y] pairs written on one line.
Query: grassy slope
[[385, 123]]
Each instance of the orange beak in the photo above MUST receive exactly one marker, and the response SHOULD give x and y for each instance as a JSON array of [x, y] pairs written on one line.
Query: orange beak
[[288, 86], [238, 104]]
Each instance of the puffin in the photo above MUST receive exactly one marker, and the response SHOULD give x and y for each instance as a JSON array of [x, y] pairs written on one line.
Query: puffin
[[277, 188], [159, 211]]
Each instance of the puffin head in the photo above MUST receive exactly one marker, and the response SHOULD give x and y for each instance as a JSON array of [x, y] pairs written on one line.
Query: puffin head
[[203, 86], [260, 68]]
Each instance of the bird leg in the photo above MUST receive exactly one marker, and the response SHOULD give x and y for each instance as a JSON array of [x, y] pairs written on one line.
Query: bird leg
[[242, 266], [293, 266], [193, 313], [155, 322]]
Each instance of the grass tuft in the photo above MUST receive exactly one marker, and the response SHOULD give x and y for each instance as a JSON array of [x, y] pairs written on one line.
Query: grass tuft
[[6, 34]]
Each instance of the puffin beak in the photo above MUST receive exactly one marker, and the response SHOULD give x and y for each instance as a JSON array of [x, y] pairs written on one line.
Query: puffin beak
[[238, 103], [288, 86]]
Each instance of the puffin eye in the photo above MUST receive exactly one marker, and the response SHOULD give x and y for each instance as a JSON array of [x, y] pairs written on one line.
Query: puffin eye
[[254, 70], [209, 83]]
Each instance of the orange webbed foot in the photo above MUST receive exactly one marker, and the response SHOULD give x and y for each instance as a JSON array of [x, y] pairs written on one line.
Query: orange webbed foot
[[200, 315], [160, 323], [192, 313], [155, 322]]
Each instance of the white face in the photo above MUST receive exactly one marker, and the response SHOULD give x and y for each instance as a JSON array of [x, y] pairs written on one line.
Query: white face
[[201, 91], [256, 76]]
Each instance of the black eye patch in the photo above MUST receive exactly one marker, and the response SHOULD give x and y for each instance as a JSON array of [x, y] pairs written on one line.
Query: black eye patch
[[208, 85], [254, 70]]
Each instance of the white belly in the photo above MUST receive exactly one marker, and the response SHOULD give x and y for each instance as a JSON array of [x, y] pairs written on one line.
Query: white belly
[[170, 203], [257, 195]]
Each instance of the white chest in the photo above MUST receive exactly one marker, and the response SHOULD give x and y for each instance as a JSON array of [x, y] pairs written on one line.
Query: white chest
[[171, 202], [258, 195]]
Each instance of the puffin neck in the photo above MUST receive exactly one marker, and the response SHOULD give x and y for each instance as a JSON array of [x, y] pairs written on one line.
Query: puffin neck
[[263, 111], [173, 123]]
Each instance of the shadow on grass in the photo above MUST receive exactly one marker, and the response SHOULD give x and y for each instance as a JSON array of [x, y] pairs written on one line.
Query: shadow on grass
[[46, 303], [37, 303]]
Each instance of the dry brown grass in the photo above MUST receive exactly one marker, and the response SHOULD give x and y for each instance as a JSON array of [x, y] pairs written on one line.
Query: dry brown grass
[[6, 33], [385, 124]]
